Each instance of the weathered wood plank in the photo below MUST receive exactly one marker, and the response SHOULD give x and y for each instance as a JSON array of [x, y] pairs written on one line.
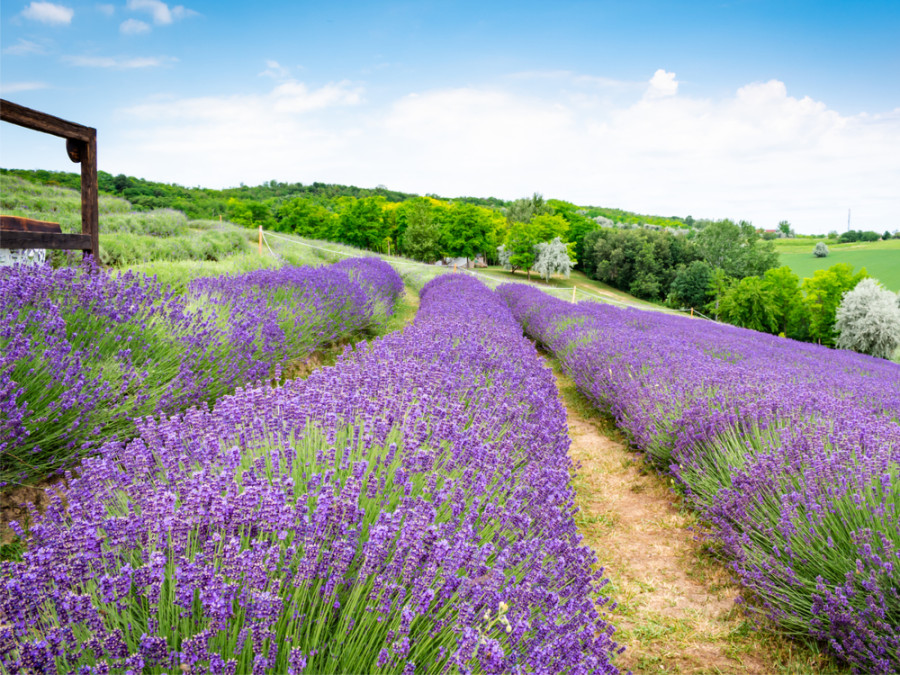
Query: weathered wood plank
[[90, 208], [19, 224], [32, 119], [70, 242]]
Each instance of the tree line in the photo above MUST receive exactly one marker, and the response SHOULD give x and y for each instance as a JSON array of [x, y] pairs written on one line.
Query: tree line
[[727, 269]]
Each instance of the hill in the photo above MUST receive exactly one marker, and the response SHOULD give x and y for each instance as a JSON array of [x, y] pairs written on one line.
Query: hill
[[880, 258]]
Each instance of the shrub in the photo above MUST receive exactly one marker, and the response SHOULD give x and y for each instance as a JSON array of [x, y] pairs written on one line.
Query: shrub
[[821, 250], [868, 320]]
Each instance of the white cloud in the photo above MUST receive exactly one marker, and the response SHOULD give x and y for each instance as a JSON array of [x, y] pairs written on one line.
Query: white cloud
[[758, 154], [119, 62], [162, 14], [275, 70], [133, 27], [23, 47], [296, 97], [47, 12], [662, 84], [108, 10], [15, 87]]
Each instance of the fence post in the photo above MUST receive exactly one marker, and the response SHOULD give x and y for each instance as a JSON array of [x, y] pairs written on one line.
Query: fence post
[[574, 288], [260, 239]]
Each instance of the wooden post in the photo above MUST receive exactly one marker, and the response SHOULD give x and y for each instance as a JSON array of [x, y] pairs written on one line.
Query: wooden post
[[574, 288], [692, 311], [260, 239], [454, 268], [90, 208]]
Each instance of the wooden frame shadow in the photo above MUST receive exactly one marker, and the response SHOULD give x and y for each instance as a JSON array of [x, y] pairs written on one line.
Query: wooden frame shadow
[[81, 146]]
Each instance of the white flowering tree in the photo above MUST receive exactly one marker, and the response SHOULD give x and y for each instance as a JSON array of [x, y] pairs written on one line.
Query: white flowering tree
[[868, 320], [821, 250], [552, 258]]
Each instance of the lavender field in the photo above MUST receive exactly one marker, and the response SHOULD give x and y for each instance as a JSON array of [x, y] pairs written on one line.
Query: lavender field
[[86, 353], [789, 450], [407, 510]]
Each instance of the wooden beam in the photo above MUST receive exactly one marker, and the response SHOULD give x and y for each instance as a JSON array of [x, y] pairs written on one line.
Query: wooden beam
[[72, 242], [32, 119], [19, 224]]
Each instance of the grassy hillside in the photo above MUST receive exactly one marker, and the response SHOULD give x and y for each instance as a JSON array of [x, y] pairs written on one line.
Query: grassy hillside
[[880, 258]]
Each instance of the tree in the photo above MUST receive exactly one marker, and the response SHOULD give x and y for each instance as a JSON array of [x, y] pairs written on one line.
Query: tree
[[422, 235], [790, 311], [523, 210], [579, 225], [548, 226], [553, 258], [821, 250], [521, 247], [823, 296], [250, 214], [750, 304], [642, 262], [718, 286], [362, 223], [784, 227], [466, 231], [737, 249], [691, 284], [868, 320], [306, 218]]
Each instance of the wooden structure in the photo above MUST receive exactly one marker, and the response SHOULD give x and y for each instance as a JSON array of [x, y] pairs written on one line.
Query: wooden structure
[[81, 146]]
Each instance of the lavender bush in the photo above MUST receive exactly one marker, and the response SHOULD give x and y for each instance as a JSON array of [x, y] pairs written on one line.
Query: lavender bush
[[83, 353], [790, 450], [408, 510]]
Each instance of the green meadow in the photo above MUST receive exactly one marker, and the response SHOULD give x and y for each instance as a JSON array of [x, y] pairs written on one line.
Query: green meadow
[[880, 258]]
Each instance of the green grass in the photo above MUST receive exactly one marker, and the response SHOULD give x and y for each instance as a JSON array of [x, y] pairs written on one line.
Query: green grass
[[880, 258]]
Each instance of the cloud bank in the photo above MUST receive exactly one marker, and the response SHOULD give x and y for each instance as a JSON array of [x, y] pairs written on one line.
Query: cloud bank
[[759, 154]]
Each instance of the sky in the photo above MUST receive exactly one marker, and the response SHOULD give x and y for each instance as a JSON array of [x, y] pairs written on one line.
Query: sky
[[759, 110]]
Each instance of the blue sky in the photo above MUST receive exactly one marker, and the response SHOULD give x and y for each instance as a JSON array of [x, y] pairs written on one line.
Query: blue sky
[[757, 110]]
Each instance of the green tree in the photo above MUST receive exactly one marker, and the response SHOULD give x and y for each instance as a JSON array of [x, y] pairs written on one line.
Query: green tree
[[691, 285], [642, 262], [749, 303], [737, 249], [466, 232], [521, 246], [784, 227], [250, 214], [823, 296], [579, 225], [362, 224], [422, 235], [548, 227], [719, 284], [306, 218], [790, 313]]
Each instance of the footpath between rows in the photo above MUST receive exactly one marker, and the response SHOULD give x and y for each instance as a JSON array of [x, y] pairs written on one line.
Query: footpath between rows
[[676, 608]]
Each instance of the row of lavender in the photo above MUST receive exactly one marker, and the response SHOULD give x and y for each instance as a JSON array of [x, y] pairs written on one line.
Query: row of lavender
[[83, 352], [790, 450], [408, 510]]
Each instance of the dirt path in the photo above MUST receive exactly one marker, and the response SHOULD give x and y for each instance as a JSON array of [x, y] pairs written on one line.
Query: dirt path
[[676, 610]]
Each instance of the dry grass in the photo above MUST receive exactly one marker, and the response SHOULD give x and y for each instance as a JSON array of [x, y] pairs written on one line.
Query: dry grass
[[676, 608]]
